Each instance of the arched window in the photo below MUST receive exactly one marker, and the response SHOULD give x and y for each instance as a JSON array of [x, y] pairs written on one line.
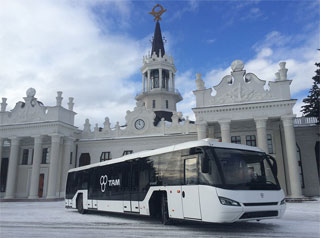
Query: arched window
[[84, 159]]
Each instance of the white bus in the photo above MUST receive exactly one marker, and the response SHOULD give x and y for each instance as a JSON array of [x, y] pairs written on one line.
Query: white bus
[[201, 180]]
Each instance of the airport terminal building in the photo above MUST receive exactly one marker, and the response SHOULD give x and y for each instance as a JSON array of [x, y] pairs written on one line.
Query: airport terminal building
[[39, 143]]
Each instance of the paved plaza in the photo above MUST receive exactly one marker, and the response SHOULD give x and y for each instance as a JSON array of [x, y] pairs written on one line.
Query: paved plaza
[[51, 219]]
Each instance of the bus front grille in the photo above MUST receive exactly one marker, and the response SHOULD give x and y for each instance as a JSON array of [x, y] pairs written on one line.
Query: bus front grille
[[247, 215], [261, 204]]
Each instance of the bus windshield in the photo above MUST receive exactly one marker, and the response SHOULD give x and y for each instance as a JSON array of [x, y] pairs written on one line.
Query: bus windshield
[[242, 170]]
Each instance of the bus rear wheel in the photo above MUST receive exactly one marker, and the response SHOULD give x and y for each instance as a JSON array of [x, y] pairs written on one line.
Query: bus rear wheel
[[80, 205], [164, 210]]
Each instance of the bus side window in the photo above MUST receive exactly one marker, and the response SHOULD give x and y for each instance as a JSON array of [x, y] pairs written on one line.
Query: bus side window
[[152, 172], [135, 176], [84, 180], [144, 175], [191, 170], [205, 164]]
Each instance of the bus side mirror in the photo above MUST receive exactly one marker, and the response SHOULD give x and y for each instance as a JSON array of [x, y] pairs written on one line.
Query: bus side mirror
[[204, 164], [273, 164]]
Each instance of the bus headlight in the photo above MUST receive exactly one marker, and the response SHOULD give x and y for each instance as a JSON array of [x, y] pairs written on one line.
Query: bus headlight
[[283, 201], [228, 202]]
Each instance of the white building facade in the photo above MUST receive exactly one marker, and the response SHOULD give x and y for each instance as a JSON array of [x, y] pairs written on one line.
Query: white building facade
[[39, 143], [36, 144]]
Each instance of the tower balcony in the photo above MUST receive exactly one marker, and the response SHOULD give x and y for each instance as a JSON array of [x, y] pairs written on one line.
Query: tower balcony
[[163, 91]]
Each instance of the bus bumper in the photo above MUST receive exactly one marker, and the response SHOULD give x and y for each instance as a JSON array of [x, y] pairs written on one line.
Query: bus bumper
[[252, 205]]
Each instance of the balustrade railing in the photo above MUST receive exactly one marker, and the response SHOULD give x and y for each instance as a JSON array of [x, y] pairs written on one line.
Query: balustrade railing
[[305, 121], [159, 89]]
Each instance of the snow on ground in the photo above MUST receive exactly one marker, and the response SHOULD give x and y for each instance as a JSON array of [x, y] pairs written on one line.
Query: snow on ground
[[51, 219]]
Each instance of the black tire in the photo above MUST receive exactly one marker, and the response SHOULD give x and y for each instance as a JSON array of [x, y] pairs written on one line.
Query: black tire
[[164, 211], [80, 205]]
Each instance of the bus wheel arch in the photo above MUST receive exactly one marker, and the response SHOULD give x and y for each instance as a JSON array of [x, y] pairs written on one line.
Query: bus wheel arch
[[164, 210], [158, 206], [79, 204]]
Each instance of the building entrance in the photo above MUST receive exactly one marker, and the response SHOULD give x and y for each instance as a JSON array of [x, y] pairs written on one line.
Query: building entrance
[[41, 183], [3, 174]]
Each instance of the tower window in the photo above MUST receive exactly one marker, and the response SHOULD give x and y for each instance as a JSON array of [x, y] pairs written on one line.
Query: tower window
[[167, 104], [153, 103], [155, 78], [165, 79]]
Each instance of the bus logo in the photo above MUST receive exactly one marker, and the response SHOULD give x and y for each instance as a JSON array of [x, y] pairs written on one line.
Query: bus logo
[[104, 182], [261, 195]]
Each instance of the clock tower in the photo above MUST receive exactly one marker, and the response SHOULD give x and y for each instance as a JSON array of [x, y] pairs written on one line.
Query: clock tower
[[158, 77]]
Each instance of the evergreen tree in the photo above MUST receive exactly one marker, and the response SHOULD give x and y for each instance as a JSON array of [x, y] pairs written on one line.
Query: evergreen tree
[[312, 107]]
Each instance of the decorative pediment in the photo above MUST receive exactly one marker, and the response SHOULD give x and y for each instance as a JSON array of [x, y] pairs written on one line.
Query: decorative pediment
[[241, 87], [31, 110]]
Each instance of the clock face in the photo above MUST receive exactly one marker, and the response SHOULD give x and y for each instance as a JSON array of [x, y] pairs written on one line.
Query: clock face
[[139, 124]]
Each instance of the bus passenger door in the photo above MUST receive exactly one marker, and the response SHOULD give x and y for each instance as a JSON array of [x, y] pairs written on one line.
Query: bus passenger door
[[126, 186], [190, 191], [134, 193]]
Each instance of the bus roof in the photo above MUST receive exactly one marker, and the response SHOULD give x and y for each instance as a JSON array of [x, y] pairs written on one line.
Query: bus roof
[[185, 145]]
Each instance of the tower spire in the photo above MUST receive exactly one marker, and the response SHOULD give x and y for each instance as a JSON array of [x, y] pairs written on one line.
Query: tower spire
[[157, 42]]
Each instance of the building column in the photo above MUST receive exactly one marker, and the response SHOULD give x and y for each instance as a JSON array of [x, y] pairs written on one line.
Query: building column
[[1, 145], [54, 166], [34, 185], [261, 125], [143, 83], [148, 82], [202, 129], [291, 148], [67, 148], [225, 131], [170, 86], [12, 169], [160, 78], [173, 89]]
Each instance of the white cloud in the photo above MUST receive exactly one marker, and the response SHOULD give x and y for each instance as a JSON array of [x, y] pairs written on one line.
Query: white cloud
[[253, 14], [210, 41], [265, 52], [58, 45]]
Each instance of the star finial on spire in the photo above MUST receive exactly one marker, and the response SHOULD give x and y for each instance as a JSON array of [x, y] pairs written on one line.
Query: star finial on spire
[[157, 14]]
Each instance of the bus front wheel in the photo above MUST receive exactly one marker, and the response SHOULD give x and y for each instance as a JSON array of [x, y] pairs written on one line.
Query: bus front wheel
[[80, 205], [164, 210]]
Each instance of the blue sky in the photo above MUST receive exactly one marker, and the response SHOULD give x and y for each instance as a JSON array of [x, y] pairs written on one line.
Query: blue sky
[[92, 49]]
